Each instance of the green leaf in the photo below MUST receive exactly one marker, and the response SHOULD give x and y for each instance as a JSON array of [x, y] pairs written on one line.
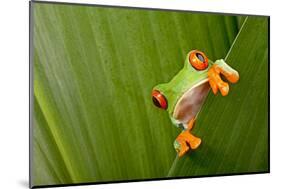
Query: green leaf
[[94, 68], [234, 129]]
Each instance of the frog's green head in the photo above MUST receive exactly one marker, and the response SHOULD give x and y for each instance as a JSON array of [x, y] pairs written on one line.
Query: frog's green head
[[183, 96]]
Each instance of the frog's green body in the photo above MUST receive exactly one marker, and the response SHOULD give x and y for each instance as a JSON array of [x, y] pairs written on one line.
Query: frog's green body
[[184, 95]]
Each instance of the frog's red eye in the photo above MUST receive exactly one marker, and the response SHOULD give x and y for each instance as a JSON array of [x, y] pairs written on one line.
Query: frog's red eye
[[198, 60], [159, 99]]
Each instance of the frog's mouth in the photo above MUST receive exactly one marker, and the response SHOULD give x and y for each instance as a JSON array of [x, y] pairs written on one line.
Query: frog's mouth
[[190, 103]]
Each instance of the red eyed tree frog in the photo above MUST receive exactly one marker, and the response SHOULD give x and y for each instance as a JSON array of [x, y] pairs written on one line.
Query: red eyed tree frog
[[184, 95]]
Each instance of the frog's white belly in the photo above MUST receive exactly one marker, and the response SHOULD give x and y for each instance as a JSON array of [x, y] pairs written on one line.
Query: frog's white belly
[[191, 102]]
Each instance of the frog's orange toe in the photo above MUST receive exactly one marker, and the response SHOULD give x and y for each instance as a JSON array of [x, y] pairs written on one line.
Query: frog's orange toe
[[234, 77], [184, 150], [195, 142], [224, 88], [213, 86]]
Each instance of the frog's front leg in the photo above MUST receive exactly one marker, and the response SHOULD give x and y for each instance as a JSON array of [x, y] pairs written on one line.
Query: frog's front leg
[[185, 138], [216, 83]]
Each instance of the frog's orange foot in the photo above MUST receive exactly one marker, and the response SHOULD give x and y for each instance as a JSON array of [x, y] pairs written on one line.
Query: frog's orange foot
[[217, 83], [183, 140]]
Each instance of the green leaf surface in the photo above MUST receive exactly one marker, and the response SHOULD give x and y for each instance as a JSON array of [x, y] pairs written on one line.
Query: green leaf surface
[[234, 129], [94, 68]]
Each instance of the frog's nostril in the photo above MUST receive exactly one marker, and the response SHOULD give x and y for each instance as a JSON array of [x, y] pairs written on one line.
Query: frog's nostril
[[159, 99]]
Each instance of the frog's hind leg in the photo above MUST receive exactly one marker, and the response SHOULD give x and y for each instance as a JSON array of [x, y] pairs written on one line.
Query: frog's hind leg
[[186, 140], [183, 139], [193, 141]]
